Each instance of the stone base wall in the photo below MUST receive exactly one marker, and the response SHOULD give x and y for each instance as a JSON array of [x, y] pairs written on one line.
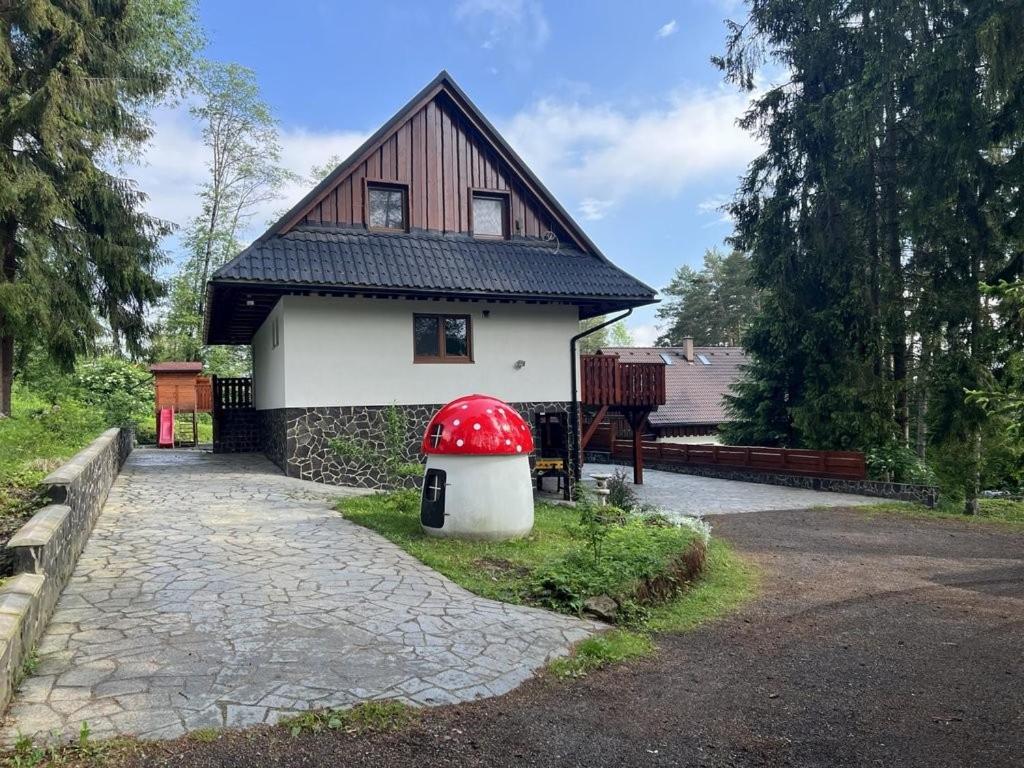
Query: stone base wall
[[273, 426], [237, 430], [46, 549], [299, 440], [921, 494]]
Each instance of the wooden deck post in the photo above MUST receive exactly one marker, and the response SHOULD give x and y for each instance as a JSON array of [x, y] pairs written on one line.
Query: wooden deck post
[[637, 419]]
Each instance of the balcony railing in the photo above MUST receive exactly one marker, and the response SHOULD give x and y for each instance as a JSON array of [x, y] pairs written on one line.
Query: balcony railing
[[604, 380]]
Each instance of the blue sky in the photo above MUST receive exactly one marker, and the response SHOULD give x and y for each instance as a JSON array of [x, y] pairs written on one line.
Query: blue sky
[[615, 106]]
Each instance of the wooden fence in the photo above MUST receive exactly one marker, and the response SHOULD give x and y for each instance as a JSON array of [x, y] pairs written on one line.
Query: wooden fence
[[840, 465], [232, 394], [204, 394]]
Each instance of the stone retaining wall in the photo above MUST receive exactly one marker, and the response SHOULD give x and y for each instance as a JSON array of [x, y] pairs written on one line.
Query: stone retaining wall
[[922, 494], [46, 549]]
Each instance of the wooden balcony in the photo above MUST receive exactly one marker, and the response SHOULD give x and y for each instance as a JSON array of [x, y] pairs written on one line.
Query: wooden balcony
[[605, 381]]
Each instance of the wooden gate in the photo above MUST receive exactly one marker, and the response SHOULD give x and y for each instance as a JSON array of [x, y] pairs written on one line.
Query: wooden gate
[[235, 420]]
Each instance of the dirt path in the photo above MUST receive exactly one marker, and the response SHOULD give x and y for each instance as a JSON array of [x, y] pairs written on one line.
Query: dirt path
[[876, 641]]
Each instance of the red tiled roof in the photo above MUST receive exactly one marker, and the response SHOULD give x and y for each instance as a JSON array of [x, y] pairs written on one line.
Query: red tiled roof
[[174, 367], [694, 391]]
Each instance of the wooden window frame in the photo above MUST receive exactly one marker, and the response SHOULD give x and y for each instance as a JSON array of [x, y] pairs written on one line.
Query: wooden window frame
[[500, 194], [384, 184], [442, 357]]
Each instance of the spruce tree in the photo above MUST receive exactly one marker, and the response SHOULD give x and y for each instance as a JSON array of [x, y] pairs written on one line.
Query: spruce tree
[[79, 253]]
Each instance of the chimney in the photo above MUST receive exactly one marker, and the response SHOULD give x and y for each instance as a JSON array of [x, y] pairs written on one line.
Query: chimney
[[688, 348]]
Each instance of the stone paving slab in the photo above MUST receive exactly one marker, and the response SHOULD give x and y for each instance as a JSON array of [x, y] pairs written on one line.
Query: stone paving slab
[[214, 591], [699, 496]]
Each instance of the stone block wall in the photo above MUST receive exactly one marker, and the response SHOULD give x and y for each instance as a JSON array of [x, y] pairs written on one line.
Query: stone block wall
[[237, 430], [922, 494], [46, 549], [299, 439]]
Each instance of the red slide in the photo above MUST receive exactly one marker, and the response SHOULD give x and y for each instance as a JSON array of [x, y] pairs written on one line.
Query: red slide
[[166, 436]]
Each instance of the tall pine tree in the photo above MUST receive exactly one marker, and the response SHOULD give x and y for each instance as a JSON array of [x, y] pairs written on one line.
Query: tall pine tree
[[78, 252]]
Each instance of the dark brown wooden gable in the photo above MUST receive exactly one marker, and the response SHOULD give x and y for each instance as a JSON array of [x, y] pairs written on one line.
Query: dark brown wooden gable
[[441, 155]]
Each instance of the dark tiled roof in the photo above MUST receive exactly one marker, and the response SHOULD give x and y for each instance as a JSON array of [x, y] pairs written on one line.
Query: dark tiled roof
[[320, 256], [175, 367], [694, 392]]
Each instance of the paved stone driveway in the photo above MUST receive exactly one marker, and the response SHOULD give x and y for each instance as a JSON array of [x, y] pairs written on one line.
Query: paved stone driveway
[[214, 591], [699, 496]]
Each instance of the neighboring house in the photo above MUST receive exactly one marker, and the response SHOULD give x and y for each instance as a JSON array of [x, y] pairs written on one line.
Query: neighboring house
[[430, 264], [696, 382]]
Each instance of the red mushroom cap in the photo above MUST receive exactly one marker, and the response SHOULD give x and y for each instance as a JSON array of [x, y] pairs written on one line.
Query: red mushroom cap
[[478, 425]]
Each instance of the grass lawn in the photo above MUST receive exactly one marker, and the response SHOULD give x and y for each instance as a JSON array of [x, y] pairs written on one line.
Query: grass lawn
[[997, 511], [34, 441], [555, 567]]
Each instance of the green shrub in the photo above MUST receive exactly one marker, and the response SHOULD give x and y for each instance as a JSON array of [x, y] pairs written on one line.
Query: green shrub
[[634, 557], [896, 463], [621, 492], [121, 389]]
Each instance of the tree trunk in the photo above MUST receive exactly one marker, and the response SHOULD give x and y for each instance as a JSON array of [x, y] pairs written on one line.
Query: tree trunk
[[897, 323], [922, 395], [8, 232]]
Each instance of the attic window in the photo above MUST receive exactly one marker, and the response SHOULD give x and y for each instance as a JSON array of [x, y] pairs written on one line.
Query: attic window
[[386, 206], [703, 359], [490, 214]]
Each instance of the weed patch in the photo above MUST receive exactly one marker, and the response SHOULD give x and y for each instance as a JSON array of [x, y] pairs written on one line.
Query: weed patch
[[601, 651], [369, 717]]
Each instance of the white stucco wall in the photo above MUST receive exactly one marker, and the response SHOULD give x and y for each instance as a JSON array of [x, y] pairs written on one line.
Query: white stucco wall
[[352, 351], [268, 363]]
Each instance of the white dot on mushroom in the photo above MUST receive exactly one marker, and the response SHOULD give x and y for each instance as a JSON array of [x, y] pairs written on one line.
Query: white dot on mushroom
[[519, 449], [456, 423], [476, 426], [460, 442]]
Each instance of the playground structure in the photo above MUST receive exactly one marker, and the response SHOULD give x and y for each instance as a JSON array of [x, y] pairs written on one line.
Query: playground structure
[[180, 389]]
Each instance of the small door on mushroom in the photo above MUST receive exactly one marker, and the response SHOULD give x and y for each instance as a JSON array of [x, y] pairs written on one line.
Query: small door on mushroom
[[432, 504]]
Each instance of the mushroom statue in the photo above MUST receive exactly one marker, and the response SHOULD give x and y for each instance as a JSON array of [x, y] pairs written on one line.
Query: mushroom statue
[[477, 483]]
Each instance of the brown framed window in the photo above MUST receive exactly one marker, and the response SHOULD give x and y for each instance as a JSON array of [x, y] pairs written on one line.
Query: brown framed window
[[488, 213], [387, 206], [442, 338]]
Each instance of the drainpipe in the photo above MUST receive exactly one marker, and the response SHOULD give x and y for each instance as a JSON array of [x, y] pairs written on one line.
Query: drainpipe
[[574, 407]]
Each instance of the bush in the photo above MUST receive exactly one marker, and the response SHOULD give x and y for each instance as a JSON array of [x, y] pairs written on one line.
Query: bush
[[123, 390], [896, 463], [620, 491], [639, 565]]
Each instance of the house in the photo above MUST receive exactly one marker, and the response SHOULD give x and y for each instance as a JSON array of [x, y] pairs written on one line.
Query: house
[[697, 379], [432, 263]]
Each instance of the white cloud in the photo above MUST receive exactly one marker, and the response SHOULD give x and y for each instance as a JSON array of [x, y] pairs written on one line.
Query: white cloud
[[602, 150], [592, 209], [516, 24], [715, 206], [174, 166], [644, 334], [666, 30]]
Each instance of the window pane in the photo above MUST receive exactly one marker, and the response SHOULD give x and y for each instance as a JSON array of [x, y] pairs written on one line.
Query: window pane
[[396, 209], [386, 207], [425, 335], [489, 216], [456, 336]]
